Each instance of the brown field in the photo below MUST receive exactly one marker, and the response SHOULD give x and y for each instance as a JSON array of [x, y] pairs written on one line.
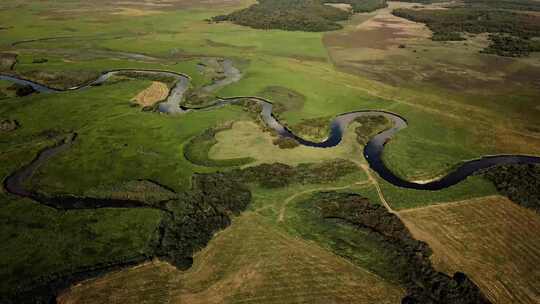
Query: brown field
[[157, 91], [500, 95], [134, 8], [250, 262], [370, 46], [493, 240]]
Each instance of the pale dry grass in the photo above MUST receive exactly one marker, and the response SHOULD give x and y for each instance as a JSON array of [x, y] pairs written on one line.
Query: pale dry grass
[[246, 139], [250, 262], [146, 283], [342, 6], [133, 12], [157, 91], [491, 239]]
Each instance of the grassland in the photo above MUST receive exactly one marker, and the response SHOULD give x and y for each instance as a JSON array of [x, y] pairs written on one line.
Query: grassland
[[301, 66], [266, 266], [89, 237], [491, 239], [400, 198], [247, 139], [5, 89]]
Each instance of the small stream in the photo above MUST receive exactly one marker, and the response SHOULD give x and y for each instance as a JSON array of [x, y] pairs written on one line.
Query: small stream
[[372, 151]]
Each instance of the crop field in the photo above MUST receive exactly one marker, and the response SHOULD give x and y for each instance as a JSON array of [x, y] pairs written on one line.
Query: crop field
[[491, 239]]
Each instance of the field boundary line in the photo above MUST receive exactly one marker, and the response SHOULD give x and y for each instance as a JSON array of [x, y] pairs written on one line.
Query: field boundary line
[[378, 187], [453, 203]]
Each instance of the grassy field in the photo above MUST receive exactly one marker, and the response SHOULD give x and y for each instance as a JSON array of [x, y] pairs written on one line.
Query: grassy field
[[491, 239], [88, 237], [401, 198], [112, 135], [246, 139]]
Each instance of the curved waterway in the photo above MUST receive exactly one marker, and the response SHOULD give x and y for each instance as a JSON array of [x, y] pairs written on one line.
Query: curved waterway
[[16, 184], [372, 151]]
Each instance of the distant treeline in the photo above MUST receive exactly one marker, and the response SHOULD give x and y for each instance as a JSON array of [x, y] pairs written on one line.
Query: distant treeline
[[513, 33], [521, 5], [298, 15]]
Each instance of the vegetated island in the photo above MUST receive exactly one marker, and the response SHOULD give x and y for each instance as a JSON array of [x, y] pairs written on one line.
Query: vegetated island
[[299, 15]]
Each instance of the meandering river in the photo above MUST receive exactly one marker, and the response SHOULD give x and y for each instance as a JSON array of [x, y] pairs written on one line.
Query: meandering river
[[372, 151]]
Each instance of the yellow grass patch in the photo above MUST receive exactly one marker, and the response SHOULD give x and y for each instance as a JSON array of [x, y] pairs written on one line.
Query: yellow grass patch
[[157, 91], [250, 262], [493, 240], [246, 139], [133, 12], [342, 6]]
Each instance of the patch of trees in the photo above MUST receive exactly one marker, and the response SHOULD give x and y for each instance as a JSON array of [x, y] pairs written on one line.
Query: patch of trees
[[520, 183], [290, 15], [201, 212], [510, 46], [22, 90], [411, 257], [40, 60], [448, 25], [280, 175]]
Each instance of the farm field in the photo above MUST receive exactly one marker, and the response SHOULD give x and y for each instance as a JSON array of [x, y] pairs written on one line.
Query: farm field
[[250, 262], [489, 238], [158, 152]]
